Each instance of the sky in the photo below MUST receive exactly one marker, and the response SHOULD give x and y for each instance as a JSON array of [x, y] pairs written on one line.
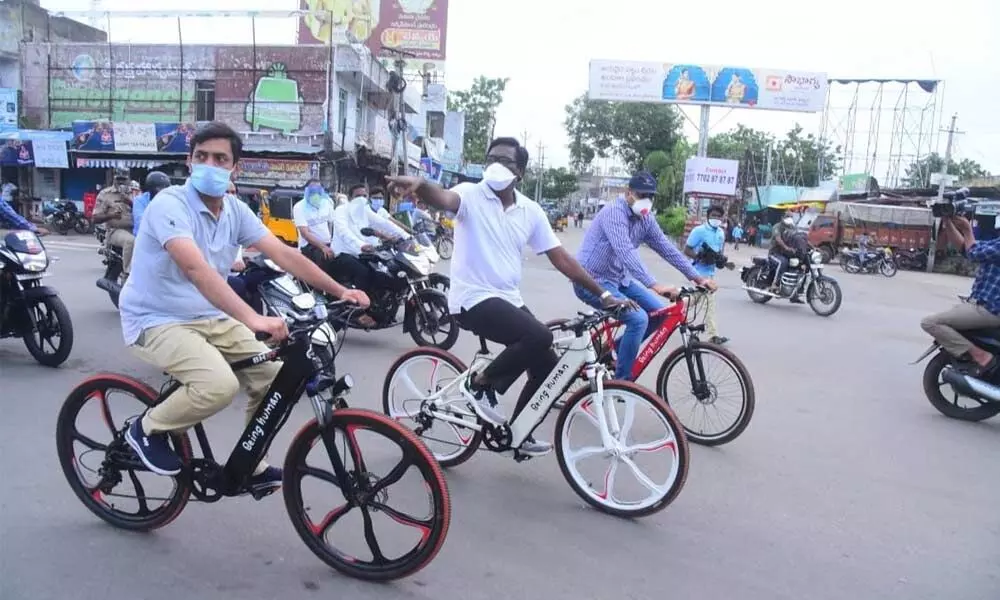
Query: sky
[[544, 47]]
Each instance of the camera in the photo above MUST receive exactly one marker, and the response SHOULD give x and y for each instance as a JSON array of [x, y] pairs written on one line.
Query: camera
[[955, 203]]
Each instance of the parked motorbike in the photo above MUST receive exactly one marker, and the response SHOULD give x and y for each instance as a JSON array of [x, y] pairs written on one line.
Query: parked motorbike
[[63, 216], [880, 260], [111, 282], [913, 259], [803, 275], [402, 277], [945, 372], [28, 309]]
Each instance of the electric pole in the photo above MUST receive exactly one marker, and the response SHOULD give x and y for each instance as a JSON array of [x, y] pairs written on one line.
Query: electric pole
[[541, 172], [936, 225]]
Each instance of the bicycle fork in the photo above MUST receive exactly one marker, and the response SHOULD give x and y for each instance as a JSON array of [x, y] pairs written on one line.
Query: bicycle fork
[[696, 369]]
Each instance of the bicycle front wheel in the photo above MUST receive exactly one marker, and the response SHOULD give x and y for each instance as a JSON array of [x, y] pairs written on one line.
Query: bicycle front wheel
[[393, 464], [595, 469], [716, 405]]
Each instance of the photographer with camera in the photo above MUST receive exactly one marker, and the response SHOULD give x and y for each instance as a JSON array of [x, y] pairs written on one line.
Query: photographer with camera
[[705, 244], [981, 310]]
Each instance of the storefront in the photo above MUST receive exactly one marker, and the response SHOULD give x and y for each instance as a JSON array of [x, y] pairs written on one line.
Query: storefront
[[34, 161]]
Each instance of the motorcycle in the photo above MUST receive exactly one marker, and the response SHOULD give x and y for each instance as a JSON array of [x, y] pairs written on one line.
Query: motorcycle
[[62, 216], [111, 281], [444, 241], [402, 276], [28, 309], [880, 261], [804, 274], [912, 259], [946, 370]]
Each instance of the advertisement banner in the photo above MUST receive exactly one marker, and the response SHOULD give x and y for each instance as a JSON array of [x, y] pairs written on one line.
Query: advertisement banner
[[418, 27], [734, 87], [93, 136], [454, 140], [853, 183], [16, 153], [432, 169], [711, 176], [174, 138], [50, 154], [8, 109], [293, 173], [134, 137]]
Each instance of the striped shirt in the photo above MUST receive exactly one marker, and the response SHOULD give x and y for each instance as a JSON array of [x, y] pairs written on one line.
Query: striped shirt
[[609, 251]]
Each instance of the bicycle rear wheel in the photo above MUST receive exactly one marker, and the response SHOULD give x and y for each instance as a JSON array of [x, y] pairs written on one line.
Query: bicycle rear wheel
[[708, 421], [656, 491], [368, 494]]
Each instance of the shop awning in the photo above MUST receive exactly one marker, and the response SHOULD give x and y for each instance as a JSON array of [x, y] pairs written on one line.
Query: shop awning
[[123, 163]]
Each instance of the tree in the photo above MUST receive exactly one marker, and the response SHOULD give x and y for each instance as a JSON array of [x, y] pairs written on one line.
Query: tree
[[479, 103], [918, 174], [626, 130], [795, 159], [558, 183], [804, 153], [668, 168]]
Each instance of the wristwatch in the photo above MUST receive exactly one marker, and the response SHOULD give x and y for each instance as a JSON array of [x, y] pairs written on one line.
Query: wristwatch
[[605, 295]]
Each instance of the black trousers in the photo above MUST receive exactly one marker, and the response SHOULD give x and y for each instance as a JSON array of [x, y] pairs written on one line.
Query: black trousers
[[346, 269], [528, 346]]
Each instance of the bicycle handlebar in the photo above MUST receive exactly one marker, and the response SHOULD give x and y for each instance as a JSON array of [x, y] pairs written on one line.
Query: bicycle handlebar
[[306, 324]]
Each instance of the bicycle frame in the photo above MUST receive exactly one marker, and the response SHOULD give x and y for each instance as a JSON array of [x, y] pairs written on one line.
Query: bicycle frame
[[295, 375], [674, 317], [577, 352]]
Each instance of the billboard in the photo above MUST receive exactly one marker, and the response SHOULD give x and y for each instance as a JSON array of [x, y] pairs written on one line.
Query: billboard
[[8, 109], [734, 87], [710, 176], [418, 27], [16, 153]]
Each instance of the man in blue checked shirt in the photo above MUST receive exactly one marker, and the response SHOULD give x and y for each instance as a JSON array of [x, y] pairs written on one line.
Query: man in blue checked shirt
[[9, 219], [609, 254], [981, 311]]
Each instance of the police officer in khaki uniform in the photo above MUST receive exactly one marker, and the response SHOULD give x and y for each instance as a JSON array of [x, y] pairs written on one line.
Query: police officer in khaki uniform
[[114, 207]]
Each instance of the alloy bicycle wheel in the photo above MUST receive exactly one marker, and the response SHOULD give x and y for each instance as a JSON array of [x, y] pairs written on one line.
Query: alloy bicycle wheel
[[403, 399], [106, 476], [655, 432], [715, 409], [366, 507]]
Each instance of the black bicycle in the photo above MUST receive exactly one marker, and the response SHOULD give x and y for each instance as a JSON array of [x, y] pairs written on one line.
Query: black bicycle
[[359, 485]]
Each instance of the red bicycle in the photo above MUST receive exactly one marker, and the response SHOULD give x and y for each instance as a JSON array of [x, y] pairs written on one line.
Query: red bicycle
[[707, 422]]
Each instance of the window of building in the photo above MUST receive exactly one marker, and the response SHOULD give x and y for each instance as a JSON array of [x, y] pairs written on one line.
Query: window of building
[[342, 111], [204, 100]]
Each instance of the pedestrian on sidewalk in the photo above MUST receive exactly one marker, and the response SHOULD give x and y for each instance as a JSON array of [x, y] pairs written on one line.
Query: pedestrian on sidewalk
[[737, 236]]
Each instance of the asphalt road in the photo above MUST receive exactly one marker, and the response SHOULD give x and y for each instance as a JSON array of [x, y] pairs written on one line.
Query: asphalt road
[[847, 484]]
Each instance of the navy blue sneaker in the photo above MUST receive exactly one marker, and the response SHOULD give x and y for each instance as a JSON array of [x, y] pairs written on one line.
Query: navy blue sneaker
[[265, 482], [153, 450]]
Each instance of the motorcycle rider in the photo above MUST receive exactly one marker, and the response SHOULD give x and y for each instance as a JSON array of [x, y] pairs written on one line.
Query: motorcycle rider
[[494, 224], [156, 182], [314, 220], [114, 207], [981, 310], [378, 206], [9, 218], [709, 234], [609, 255], [781, 250], [179, 314]]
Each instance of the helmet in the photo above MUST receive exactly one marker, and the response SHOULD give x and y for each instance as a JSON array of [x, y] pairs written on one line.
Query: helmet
[[156, 181]]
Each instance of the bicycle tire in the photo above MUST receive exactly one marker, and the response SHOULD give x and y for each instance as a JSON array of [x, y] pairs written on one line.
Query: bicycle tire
[[454, 362], [65, 426], [432, 539], [676, 357], [682, 453]]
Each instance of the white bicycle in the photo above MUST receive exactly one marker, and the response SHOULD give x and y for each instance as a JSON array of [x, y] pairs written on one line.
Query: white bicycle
[[622, 442]]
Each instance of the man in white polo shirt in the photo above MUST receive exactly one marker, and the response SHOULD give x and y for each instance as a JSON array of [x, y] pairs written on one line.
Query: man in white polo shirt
[[313, 217], [494, 222]]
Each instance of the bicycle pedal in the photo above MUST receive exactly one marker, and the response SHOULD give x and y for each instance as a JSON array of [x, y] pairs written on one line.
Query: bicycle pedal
[[261, 494], [520, 458]]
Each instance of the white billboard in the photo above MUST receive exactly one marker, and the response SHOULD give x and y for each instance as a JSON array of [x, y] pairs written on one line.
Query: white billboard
[[711, 176], [735, 87]]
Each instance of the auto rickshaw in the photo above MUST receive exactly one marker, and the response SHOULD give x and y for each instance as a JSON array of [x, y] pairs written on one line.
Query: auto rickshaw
[[276, 213], [558, 221]]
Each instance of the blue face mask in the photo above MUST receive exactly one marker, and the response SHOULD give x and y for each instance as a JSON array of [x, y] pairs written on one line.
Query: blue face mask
[[377, 203], [209, 180]]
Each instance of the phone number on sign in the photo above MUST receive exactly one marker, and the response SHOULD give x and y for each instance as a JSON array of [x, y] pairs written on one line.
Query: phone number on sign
[[708, 178]]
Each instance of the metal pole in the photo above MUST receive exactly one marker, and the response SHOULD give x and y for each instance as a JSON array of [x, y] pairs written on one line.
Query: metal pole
[[703, 131], [940, 195], [400, 64], [180, 92], [253, 53]]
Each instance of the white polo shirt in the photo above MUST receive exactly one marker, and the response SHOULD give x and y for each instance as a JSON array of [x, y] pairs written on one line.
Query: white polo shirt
[[488, 245], [319, 221]]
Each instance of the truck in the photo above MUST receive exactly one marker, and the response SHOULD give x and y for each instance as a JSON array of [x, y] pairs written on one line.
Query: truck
[[895, 226]]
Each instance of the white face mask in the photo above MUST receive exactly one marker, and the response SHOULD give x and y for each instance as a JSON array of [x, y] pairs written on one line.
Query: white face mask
[[498, 177], [642, 207], [714, 223], [787, 221]]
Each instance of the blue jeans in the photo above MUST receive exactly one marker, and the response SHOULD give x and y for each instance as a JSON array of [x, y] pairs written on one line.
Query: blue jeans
[[638, 325]]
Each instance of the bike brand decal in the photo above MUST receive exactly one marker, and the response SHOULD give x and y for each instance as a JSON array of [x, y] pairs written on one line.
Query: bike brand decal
[[261, 358], [260, 423], [651, 348], [553, 385]]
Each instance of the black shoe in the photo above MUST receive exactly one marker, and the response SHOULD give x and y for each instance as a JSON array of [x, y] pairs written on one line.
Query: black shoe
[[796, 300], [153, 450], [267, 480], [718, 339]]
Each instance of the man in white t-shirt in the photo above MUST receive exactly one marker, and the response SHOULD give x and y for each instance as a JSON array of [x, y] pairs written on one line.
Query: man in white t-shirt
[[494, 222], [313, 217]]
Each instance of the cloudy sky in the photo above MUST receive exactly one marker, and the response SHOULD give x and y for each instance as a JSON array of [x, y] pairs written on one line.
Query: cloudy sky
[[544, 46]]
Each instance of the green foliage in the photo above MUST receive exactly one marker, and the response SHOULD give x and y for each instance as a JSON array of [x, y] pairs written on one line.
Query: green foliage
[[479, 103], [672, 220], [918, 174], [558, 183], [798, 155]]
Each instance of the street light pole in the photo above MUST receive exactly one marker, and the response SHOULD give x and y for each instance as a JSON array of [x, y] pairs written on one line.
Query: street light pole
[[936, 225]]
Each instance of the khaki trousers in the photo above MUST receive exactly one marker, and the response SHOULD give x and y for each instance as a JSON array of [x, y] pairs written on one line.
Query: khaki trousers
[[125, 239], [711, 327], [198, 354], [946, 327]]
